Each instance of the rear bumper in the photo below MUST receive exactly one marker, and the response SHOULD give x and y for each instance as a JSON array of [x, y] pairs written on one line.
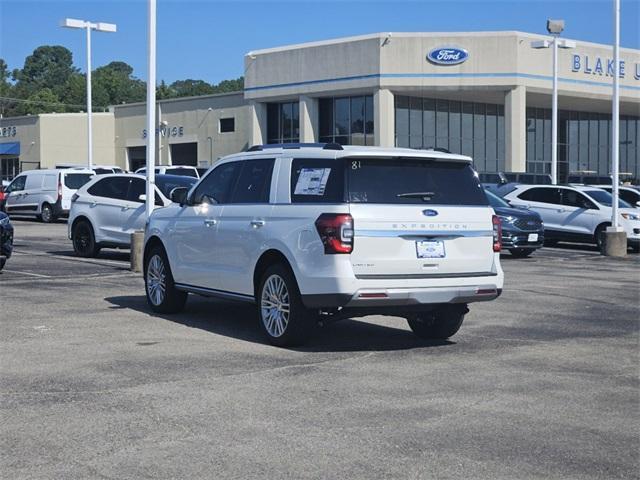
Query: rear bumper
[[371, 298]]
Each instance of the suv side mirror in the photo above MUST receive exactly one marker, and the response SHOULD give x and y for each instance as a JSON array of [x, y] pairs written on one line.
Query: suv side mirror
[[179, 195]]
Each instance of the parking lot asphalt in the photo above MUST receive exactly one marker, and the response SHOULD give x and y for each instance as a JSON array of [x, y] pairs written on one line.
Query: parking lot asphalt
[[541, 383]]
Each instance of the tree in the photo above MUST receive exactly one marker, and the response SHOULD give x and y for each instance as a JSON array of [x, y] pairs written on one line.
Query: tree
[[5, 86], [164, 91], [227, 86], [43, 101], [191, 88], [47, 67], [114, 84]]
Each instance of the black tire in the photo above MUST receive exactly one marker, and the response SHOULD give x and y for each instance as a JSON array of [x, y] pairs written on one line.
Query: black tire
[[600, 237], [84, 240], [164, 298], [2, 262], [438, 324], [46, 213], [521, 252], [283, 329]]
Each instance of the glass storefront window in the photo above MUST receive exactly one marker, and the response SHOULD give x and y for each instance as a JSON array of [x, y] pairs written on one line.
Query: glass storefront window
[[283, 122], [348, 120], [473, 129], [584, 143]]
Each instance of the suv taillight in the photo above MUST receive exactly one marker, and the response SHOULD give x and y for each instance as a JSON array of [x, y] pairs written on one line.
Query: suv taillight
[[336, 232], [497, 233], [59, 189]]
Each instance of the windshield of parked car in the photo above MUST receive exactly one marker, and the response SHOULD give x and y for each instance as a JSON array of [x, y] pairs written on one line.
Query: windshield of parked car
[[605, 198], [495, 201], [187, 172], [166, 183]]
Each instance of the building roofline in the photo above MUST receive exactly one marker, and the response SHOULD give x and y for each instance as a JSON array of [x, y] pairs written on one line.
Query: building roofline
[[61, 114], [382, 35], [180, 99]]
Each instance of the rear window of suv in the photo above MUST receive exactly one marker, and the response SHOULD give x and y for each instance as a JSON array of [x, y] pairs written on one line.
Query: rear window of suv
[[75, 180], [385, 181]]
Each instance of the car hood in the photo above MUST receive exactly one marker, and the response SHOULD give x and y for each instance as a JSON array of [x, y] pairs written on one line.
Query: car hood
[[517, 213]]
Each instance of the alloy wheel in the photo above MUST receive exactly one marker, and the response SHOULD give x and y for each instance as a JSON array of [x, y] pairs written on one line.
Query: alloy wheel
[[156, 280], [274, 305]]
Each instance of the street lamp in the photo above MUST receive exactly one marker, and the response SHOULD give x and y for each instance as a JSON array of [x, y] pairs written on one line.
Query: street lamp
[[555, 28], [88, 26]]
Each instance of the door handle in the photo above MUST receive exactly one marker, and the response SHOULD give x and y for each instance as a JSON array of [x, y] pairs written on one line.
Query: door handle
[[257, 223], [125, 208], [210, 222], [93, 204]]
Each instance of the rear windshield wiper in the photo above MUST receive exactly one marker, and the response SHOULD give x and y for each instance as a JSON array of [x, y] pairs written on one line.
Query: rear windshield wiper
[[425, 196]]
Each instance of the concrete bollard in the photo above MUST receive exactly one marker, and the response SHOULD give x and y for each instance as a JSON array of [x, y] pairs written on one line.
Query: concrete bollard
[[137, 250], [615, 243]]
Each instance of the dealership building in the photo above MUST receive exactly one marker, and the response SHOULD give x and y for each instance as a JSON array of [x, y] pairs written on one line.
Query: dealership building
[[487, 95]]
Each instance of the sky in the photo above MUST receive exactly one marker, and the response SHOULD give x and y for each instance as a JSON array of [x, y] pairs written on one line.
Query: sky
[[207, 39]]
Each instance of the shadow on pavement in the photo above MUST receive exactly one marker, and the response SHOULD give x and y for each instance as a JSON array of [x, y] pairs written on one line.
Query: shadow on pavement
[[237, 320], [118, 255]]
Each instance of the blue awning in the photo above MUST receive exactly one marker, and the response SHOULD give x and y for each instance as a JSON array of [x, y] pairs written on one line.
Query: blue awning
[[10, 148]]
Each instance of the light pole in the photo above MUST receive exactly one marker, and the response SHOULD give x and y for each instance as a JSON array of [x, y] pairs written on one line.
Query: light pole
[[88, 26], [555, 28], [615, 236], [151, 107]]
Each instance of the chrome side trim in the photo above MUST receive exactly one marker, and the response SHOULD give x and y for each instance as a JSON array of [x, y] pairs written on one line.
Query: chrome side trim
[[410, 276], [209, 292], [424, 233]]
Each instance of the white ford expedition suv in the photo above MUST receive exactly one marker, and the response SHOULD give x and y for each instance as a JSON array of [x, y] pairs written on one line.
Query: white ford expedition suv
[[312, 233]]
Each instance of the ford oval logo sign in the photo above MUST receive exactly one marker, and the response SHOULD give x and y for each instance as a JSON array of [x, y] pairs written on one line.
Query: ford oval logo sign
[[447, 55], [429, 213]]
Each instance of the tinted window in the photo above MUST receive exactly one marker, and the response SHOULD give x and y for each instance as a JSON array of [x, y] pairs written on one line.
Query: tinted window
[[413, 181], [103, 171], [75, 180], [217, 185], [113, 187], [606, 199], [187, 172], [495, 201], [227, 125], [254, 183], [572, 198], [166, 183], [317, 181], [629, 196], [543, 195], [17, 185], [138, 187]]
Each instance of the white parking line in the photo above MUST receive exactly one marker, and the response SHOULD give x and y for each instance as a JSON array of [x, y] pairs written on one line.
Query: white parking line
[[28, 273]]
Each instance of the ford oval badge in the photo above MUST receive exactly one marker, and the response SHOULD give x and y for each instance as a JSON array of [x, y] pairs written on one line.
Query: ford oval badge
[[429, 213], [447, 55]]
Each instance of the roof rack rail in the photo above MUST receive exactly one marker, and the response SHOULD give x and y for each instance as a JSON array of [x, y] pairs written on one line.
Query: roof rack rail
[[294, 146]]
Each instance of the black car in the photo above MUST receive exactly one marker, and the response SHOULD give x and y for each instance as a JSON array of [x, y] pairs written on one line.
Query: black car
[[6, 239], [522, 230]]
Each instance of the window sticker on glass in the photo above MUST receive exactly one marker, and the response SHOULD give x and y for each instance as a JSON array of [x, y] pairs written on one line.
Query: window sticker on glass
[[312, 181]]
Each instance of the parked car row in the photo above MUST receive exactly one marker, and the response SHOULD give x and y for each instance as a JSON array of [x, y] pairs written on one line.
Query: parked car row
[[46, 194], [576, 212]]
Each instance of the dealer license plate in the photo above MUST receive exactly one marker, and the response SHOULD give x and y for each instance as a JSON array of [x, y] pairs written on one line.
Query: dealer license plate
[[533, 237], [430, 249]]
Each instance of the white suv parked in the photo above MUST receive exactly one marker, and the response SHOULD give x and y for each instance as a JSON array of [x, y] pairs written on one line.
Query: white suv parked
[[314, 233], [576, 213]]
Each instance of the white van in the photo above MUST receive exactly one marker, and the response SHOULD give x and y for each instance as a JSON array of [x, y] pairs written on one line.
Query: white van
[[45, 194]]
